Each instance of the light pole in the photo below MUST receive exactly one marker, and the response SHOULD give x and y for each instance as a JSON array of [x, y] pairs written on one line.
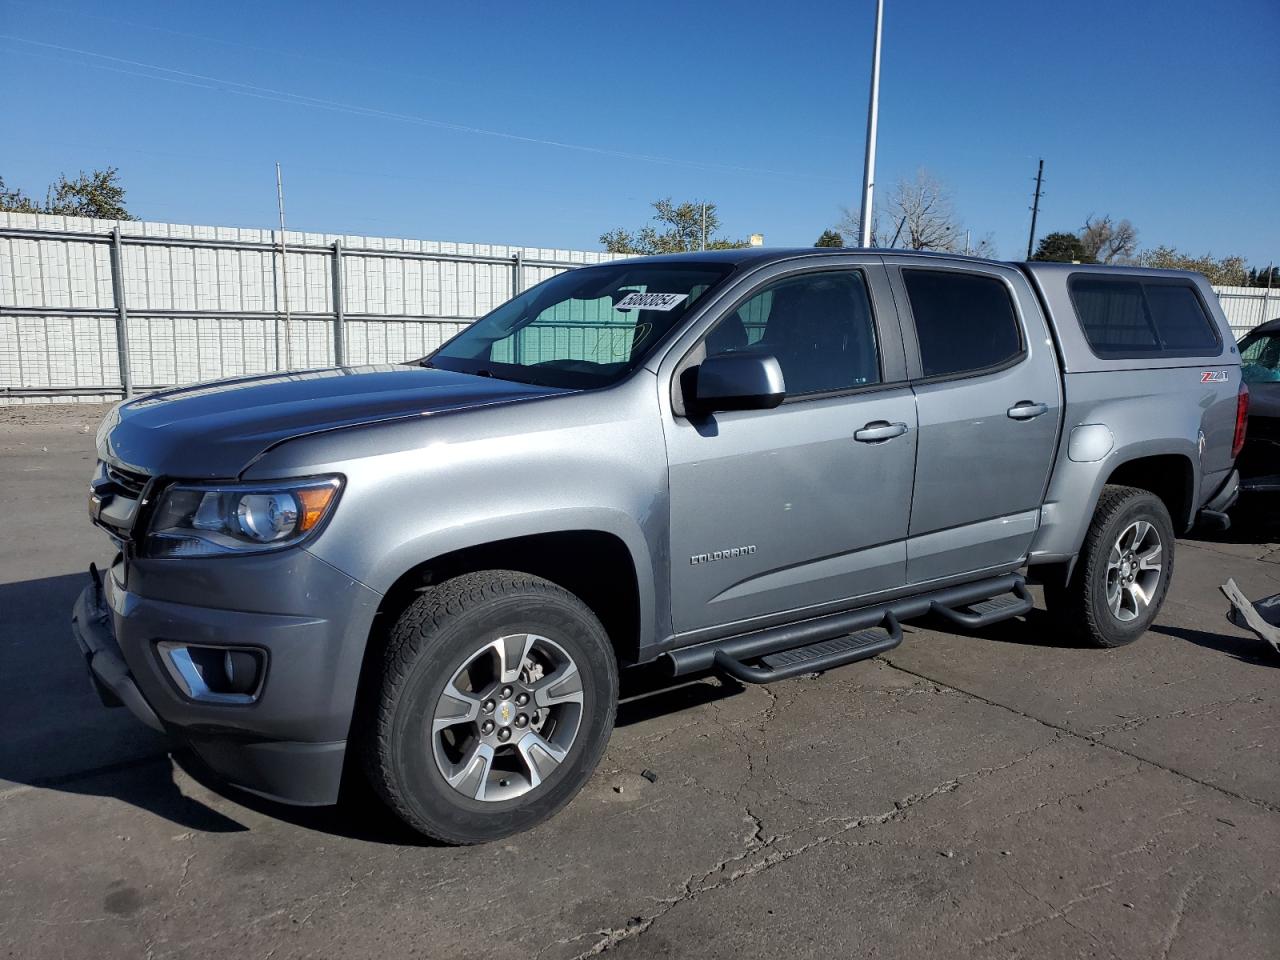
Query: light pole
[[873, 111]]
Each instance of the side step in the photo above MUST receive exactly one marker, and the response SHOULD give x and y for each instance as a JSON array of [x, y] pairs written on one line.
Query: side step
[[986, 612], [823, 655], [833, 640]]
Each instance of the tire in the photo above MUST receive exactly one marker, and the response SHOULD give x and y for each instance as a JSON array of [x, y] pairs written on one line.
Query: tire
[[1099, 605], [424, 750]]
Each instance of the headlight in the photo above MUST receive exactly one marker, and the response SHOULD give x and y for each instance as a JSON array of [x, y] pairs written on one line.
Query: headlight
[[196, 520]]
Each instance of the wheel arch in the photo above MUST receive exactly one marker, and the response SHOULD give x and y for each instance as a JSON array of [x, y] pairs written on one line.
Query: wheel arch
[[1170, 476], [1167, 469], [598, 566]]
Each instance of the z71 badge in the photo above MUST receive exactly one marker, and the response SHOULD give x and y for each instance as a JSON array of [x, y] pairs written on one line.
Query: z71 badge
[[1213, 376]]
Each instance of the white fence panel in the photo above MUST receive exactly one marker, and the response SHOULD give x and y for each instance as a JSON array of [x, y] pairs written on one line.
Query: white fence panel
[[1246, 307], [203, 302]]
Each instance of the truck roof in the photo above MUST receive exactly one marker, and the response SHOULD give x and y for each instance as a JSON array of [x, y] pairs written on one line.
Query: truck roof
[[1052, 284], [754, 256]]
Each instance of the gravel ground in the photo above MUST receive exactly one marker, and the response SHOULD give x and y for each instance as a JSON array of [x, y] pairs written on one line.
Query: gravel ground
[[996, 794]]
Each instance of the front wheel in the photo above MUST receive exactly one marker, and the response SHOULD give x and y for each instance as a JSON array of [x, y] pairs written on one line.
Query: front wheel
[[1123, 571], [496, 697]]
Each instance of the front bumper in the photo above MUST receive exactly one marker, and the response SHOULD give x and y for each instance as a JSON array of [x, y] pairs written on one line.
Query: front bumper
[[290, 743], [91, 627]]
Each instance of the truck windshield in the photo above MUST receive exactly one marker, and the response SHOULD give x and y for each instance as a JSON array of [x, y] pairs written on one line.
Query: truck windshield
[[589, 327]]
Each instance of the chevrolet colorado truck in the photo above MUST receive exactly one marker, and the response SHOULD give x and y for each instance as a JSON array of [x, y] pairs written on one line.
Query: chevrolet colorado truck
[[750, 461]]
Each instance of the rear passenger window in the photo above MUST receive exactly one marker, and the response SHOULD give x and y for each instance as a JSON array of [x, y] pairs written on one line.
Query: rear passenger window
[[965, 322], [1127, 317]]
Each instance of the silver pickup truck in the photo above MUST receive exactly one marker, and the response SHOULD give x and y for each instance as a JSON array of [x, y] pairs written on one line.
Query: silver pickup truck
[[755, 462]]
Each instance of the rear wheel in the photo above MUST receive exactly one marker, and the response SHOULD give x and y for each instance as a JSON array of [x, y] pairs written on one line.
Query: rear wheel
[[1123, 572], [497, 695]]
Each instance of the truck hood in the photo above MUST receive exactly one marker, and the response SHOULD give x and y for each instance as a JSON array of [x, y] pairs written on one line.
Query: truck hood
[[215, 430]]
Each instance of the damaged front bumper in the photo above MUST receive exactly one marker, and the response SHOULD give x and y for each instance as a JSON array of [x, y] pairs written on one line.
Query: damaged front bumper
[[288, 741]]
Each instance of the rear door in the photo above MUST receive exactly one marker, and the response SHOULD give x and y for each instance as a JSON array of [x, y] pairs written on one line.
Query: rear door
[[989, 402]]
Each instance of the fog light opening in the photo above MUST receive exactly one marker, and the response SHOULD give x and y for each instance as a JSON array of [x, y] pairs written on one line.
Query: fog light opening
[[215, 674]]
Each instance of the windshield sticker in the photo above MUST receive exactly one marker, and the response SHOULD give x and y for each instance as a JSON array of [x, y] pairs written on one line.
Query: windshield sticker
[[650, 301]]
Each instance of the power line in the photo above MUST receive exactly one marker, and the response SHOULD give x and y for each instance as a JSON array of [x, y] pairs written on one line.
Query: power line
[[224, 85]]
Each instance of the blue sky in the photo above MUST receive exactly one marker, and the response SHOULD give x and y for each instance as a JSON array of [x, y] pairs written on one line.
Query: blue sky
[[1162, 112]]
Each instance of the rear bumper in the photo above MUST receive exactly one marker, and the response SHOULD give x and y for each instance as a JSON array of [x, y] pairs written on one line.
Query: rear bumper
[[1263, 484], [1213, 514], [290, 743]]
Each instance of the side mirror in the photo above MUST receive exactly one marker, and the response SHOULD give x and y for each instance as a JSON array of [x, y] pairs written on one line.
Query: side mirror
[[738, 381]]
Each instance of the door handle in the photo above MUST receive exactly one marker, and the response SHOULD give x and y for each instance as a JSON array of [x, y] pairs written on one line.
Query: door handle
[[877, 431], [1026, 410]]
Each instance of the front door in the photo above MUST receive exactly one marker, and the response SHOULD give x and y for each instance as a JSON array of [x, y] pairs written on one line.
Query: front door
[[807, 504], [988, 393]]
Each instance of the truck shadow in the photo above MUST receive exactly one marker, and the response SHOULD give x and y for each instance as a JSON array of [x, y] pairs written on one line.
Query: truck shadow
[[1253, 521], [645, 693], [58, 735]]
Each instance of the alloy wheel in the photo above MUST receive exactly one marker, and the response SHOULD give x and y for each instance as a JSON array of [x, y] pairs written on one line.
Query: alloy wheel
[[508, 718], [1133, 571]]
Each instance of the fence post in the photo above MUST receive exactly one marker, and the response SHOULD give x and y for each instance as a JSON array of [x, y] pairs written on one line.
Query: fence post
[[122, 311], [339, 309], [1266, 294], [517, 282]]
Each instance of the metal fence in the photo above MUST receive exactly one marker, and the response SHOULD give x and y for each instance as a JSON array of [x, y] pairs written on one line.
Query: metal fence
[[92, 309], [1246, 307]]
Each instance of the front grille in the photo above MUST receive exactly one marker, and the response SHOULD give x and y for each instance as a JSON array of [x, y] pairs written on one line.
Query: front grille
[[127, 480]]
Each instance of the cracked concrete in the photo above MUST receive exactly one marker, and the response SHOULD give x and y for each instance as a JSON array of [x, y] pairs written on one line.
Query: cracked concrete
[[986, 795]]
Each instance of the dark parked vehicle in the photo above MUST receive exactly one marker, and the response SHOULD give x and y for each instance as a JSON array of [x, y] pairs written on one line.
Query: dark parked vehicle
[[1259, 462]]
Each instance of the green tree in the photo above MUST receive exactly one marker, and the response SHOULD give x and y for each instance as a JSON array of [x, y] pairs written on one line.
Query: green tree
[[1259, 277], [680, 228], [830, 238], [1224, 271], [1062, 247], [15, 201], [97, 194]]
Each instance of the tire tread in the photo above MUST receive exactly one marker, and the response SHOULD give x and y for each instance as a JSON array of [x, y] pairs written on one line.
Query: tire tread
[[414, 629], [1072, 602]]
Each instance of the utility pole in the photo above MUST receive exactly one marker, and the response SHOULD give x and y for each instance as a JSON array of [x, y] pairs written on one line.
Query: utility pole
[[1035, 208], [704, 225], [1266, 294], [873, 112], [284, 271]]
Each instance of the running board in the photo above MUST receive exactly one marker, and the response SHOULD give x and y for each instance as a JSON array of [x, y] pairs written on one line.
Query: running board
[[816, 657], [986, 612], [823, 643]]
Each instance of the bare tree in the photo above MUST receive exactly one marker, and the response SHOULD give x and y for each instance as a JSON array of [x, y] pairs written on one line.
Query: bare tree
[[917, 215], [1107, 241], [850, 228], [924, 207], [985, 247]]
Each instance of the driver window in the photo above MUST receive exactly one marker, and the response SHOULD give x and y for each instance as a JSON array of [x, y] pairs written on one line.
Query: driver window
[[819, 326]]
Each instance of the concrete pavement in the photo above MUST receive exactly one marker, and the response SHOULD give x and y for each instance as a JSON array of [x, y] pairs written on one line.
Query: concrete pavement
[[987, 795]]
